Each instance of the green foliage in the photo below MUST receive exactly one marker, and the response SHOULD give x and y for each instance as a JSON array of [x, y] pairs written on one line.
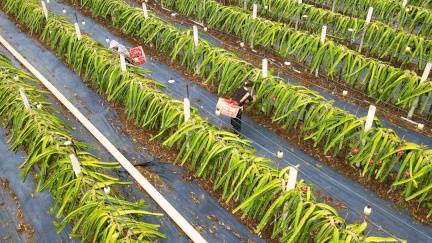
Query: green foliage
[[224, 159], [381, 40], [78, 199], [377, 79], [413, 19], [331, 128]]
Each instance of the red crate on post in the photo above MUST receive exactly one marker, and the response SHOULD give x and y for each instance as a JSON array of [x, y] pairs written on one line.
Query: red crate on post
[[137, 56]]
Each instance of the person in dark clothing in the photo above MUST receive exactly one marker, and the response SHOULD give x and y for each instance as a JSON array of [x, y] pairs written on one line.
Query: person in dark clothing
[[242, 96]]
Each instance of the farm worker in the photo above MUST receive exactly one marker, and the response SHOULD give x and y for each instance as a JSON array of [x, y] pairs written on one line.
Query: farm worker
[[242, 96]]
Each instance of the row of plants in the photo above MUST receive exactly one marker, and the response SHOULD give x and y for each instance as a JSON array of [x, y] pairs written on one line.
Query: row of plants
[[228, 161], [80, 197], [381, 41], [375, 78], [421, 3], [412, 19], [292, 107]]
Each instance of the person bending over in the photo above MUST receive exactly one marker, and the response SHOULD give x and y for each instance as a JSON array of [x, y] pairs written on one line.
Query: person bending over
[[242, 96]]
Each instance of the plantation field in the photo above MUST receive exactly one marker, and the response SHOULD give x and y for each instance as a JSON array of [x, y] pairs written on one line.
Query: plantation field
[[107, 119], [318, 130]]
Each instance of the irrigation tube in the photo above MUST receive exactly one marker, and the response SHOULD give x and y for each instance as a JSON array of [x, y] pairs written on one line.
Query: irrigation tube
[[145, 184]]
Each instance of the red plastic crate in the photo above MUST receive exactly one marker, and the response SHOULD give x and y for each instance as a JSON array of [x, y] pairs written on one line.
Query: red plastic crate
[[137, 55], [228, 107]]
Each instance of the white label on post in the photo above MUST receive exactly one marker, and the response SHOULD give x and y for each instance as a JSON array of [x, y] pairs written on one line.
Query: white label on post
[[78, 31], [265, 68], [76, 167], [195, 35], [122, 62], [24, 99], [186, 108], [369, 15], [404, 3], [370, 118], [323, 34], [292, 178], [45, 10], [254, 11], [426, 72], [144, 7]]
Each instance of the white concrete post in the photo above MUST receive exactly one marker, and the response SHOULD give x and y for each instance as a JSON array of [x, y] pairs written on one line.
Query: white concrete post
[[424, 77], [186, 108], [195, 35], [76, 167], [122, 62], [254, 11], [45, 10], [404, 4], [369, 15], [300, 15], [196, 44], [144, 7], [78, 31], [323, 34], [322, 40], [368, 20], [265, 68], [334, 6], [292, 178], [24, 98], [370, 117]]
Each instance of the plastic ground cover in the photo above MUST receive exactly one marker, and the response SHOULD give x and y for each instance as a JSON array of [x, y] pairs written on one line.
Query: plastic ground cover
[[329, 182], [214, 221]]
